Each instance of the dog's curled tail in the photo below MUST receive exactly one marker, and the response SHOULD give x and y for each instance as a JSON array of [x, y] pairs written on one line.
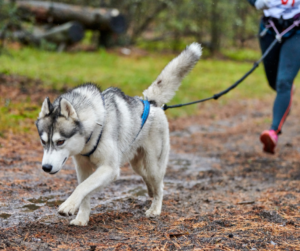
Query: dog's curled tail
[[164, 87]]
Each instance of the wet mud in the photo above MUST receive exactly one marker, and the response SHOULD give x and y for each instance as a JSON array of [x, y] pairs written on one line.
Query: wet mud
[[221, 191]]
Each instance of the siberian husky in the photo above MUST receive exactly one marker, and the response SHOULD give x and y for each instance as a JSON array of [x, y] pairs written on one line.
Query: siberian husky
[[104, 130]]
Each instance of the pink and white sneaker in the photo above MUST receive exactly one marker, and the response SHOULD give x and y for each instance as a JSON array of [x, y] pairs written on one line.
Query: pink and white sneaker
[[269, 138]]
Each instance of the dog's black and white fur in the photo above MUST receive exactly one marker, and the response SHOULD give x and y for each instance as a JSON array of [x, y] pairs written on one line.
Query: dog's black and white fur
[[102, 131]]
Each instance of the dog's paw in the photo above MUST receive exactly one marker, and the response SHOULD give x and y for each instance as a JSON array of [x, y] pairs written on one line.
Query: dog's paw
[[68, 208], [79, 222], [152, 212]]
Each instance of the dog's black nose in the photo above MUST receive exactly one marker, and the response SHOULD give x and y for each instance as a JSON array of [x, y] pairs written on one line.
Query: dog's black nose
[[47, 168]]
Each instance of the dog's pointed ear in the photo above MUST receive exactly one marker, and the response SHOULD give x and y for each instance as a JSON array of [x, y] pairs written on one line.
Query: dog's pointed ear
[[47, 108], [67, 110]]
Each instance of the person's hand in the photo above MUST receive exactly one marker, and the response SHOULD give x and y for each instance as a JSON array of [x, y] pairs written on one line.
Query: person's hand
[[261, 4]]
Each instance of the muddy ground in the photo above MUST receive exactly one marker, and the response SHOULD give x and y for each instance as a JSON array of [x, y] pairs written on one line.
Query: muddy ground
[[221, 191]]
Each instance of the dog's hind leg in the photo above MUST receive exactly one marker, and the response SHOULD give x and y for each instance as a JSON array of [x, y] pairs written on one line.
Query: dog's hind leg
[[155, 167], [83, 171], [138, 166]]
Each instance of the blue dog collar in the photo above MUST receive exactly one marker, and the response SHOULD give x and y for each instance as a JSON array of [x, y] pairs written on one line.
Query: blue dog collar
[[146, 112]]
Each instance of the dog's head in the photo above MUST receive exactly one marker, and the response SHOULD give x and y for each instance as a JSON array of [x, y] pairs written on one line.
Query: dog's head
[[60, 132]]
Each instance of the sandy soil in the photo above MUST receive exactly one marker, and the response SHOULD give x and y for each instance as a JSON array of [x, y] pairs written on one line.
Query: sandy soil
[[221, 191]]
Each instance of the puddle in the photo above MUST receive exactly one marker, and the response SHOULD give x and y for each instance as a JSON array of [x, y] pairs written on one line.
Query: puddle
[[180, 163], [217, 126], [5, 216], [40, 200], [48, 201], [139, 191], [191, 163], [31, 207], [54, 203]]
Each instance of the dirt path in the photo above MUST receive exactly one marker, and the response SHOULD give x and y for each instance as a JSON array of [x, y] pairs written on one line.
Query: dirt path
[[221, 191]]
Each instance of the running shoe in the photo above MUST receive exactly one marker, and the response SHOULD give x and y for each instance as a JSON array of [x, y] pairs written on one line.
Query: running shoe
[[269, 139]]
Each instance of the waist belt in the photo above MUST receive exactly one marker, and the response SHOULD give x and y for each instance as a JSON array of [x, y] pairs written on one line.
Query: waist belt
[[281, 24], [280, 27]]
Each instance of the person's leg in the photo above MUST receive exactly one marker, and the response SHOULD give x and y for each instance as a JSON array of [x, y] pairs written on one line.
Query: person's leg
[[289, 65], [271, 60]]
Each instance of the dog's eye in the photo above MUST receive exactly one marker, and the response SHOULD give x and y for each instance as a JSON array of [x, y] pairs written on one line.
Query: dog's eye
[[60, 142], [43, 142]]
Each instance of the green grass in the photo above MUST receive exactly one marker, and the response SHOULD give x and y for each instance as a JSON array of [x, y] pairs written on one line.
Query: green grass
[[133, 75], [17, 116], [242, 54]]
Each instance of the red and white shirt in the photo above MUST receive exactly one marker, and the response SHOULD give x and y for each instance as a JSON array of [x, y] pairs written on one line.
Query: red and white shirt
[[282, 8]]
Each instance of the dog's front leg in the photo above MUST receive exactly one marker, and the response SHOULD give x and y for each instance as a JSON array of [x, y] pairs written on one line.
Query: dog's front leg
[[84, 168], [99, 179]]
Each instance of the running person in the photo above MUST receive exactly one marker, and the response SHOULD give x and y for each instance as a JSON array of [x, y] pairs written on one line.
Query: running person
[[282, 63]]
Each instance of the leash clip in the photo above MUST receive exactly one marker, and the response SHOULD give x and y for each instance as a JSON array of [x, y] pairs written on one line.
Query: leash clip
[[279, 37]]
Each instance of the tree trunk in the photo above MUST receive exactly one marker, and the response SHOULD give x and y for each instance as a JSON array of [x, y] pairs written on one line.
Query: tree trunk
[[67, 33], [147, 21], [59, 13], [215, 27]]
